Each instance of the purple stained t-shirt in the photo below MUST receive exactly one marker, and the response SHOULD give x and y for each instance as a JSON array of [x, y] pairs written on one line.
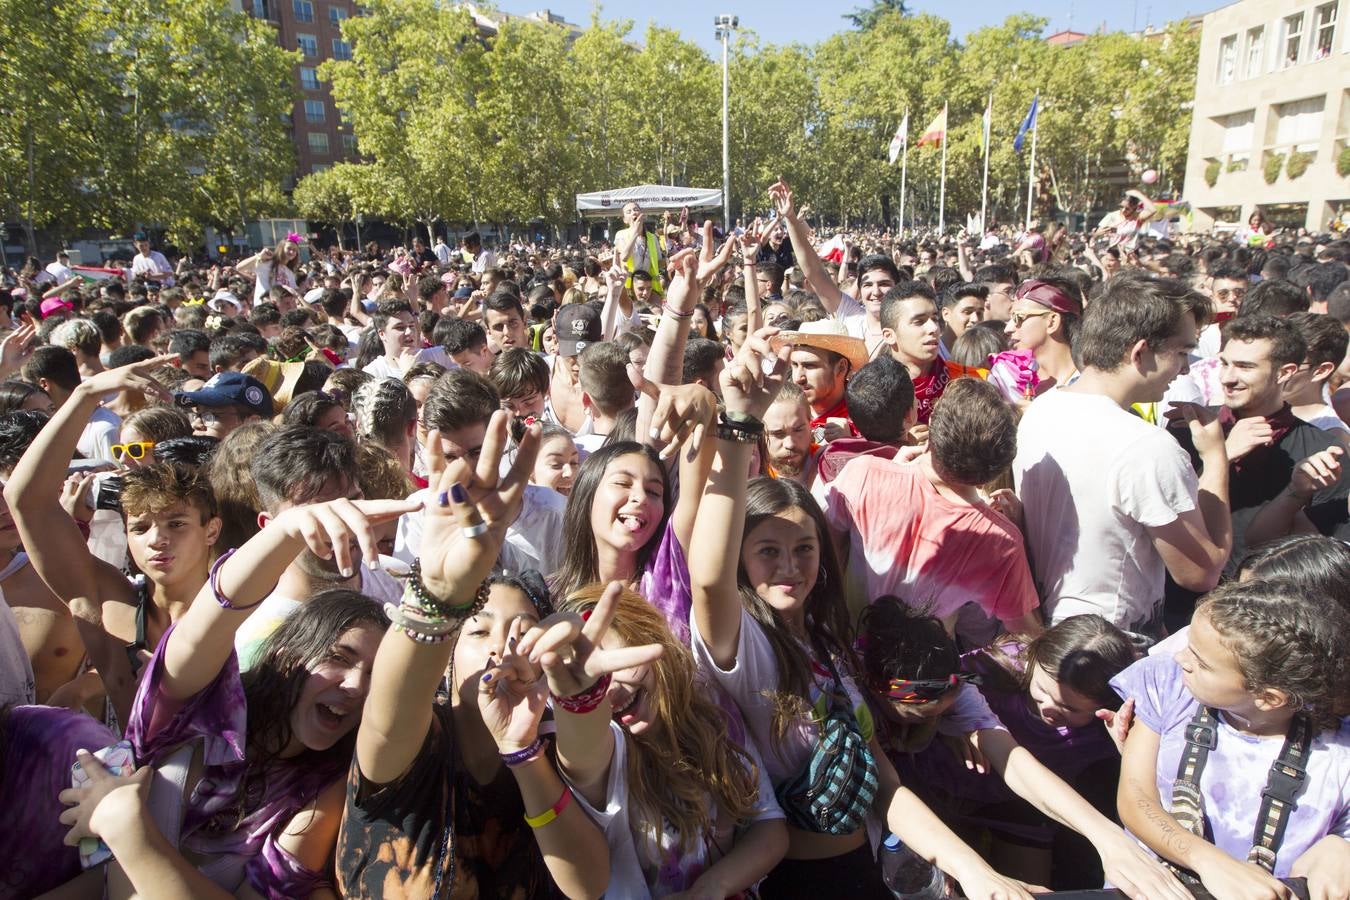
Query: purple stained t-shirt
[[218, 717], [665, 583], [1236, 771]]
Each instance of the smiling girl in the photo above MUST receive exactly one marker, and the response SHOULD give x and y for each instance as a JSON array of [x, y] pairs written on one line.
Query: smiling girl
[[1258, 681]]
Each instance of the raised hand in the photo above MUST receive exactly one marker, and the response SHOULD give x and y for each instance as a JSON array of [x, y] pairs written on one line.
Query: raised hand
[[755, 376], [512, 695], [682, 413], [781, 196], [15, 349], [330, 530], [472, 506], [1316, 473], [569, 650], [709, 264], [133, 377]]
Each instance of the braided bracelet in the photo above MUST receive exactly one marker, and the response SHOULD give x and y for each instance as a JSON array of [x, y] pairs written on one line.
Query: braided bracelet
[[520, 757], [587, 700], [423, 631], [214, 579], [421, 597], [675, 313]]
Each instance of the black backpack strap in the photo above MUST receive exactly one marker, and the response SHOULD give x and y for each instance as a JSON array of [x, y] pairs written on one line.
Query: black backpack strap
[[1287, 779]]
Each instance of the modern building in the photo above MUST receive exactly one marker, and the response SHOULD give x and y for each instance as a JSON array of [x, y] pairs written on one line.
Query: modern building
[[1272, 114], [314, 27]]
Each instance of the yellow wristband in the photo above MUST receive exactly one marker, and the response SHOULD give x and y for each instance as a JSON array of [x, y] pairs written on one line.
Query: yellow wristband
[[552, 812]]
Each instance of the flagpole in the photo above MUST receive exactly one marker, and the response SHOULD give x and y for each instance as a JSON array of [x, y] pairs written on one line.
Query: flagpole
[[942, 190], [1031, 174], [904, 165], [987, 125]]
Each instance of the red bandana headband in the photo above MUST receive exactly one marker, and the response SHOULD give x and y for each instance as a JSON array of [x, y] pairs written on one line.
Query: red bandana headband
[[1050, 297]]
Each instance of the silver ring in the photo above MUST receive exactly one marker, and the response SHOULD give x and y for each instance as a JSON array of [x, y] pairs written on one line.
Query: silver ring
[[473, 531]]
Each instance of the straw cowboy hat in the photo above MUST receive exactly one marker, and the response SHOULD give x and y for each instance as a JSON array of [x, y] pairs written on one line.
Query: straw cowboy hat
[[830, 334]]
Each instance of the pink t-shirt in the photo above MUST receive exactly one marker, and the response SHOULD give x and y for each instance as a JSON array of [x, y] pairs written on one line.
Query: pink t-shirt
[[928, 550]]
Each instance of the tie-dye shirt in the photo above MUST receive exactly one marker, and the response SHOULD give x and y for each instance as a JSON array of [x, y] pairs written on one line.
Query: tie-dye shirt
[[237, 848], [1236, 770]]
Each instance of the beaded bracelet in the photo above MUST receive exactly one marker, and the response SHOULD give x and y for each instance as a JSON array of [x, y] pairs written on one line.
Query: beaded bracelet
[[422, 630], [587, 700], [214, 579], [520, 757], [417, 592], [736, 435]]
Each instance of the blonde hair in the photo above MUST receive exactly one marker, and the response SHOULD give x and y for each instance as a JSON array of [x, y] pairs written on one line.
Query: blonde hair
[[673, 775]]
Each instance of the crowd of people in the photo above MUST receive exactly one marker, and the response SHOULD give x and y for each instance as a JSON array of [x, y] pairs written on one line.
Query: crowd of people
[[771, 563]]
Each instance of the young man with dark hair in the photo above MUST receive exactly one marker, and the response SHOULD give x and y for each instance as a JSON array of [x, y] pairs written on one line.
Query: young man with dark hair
[[230, 353], [703, 364], [521, 379], [606, 392], [911, 331], [266, 317], [400, 340], [1327, 343], [823, 357], [194, 352], [881, 406], [504, 319], [769, 279], [1001, 280], [298, 465], [962, 307], [1111, 502], [458, 409], [467, 344], [171, 527], [1273, 298], [1228, 287], [643, 288], [1318, 281], [921, 531], [577, 326], [55, 370], [1265, 441]]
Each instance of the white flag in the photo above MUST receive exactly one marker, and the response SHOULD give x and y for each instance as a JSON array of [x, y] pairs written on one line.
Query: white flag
[[901, 138]]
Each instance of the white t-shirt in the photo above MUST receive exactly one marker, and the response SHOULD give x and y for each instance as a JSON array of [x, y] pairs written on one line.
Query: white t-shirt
[[534, 540], [854, 316], [486, 260], [1093, 478], [100, 434], [59, 272], [381, 367], [152, 265], [651, 864]]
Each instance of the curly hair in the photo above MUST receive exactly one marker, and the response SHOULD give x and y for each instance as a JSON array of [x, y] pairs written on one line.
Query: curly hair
[[153, 489], [672, 774], [1284, 640]]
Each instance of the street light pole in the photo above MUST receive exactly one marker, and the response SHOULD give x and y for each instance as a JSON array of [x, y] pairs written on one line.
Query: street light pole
[[725, 24]]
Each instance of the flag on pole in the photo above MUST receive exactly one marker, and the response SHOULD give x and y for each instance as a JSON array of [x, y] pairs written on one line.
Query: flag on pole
[[1027, 124], [901, 138], [988, 121], [936, 132]]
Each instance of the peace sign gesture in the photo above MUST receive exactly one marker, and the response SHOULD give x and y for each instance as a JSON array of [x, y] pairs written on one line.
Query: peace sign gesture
[[469, 511], [133, 377], [568, 648]]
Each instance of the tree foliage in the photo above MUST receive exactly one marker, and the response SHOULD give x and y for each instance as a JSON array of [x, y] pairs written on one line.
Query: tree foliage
[[162, 113]]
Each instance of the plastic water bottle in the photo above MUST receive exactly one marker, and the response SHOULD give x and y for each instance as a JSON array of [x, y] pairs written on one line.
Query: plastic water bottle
[[909, 875]]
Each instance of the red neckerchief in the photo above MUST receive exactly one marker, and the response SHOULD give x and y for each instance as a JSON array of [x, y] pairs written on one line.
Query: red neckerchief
[[928, 388], [840, 411], [1281, 423]]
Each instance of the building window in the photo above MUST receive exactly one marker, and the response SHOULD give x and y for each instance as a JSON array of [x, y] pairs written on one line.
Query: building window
[[318, 142], [349, 144], [1291, 42], [1256, 39], [1324, 30], [1227, 59], [319, 167], [1238, 131], [336, 14], [1298, 125], [308, 45], [314, 114], [260, 10], [341, 49], [304, 10], [309, 78]]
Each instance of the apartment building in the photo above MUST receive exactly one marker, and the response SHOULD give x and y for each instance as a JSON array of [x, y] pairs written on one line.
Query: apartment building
[[1272, 114], [314, 27]]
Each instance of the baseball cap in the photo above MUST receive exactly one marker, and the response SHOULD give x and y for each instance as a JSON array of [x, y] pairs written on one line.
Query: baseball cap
[[577, 327], [55, 305], [230, 389], [314, 295], [138, 236]]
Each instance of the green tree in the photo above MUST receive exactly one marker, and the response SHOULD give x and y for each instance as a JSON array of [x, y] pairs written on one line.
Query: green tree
[[865, 17]]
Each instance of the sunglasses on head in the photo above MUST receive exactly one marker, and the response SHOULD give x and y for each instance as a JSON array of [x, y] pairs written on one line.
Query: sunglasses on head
[[134, 450], [904, 690]]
